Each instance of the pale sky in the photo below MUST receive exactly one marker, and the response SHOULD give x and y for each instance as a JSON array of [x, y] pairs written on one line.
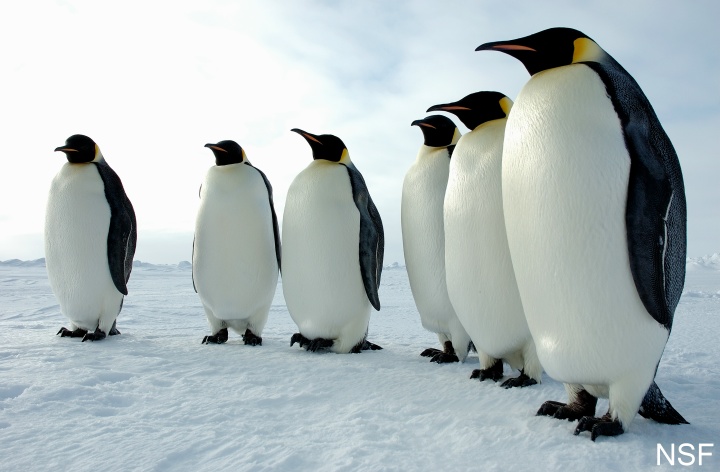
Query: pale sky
[[153, 81]]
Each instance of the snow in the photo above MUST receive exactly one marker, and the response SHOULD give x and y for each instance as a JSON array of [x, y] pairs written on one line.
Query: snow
[[154, 398]]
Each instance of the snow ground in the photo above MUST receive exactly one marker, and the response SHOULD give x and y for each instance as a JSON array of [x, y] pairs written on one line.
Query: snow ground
[[155, 399]]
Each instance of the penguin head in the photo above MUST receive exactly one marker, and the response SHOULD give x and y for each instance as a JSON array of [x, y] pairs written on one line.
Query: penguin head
[[477, 108], [554, 47], [325, 146], [438, 131], [80, 149], [227, 152]]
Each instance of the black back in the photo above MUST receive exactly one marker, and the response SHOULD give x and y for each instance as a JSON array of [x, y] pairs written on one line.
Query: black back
[[276, 231], [656, 213], [122, 234], [372, 236]]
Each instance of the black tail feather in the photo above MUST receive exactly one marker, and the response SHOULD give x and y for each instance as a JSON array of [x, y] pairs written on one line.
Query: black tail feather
[[656, 407]]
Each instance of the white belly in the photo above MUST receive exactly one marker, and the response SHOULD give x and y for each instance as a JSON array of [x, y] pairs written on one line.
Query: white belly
[[424, 238], [564, 177], [481, 281], [322, 284], [234, 263], [76, 229]]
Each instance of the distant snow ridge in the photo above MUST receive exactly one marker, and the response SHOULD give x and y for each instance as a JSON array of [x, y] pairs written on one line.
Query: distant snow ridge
[[18, 263], [182, 265], [711, 262]]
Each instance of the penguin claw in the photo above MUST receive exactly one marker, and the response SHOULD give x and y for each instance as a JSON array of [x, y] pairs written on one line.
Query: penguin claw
[[430, 352], [78, 333], [583, 405], [300, 339], [495, 372], [520, 381], [319, 344], [368, 346], [114, 331], [444, 358], [95, 336], [599, 426], [251, 338], [220, 337]]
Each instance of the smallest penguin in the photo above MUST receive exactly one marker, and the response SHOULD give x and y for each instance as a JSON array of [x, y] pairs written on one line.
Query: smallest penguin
[[423, 236], [236, 250]]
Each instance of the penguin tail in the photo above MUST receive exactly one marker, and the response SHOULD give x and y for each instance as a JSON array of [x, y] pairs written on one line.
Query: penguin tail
[[656, 407]]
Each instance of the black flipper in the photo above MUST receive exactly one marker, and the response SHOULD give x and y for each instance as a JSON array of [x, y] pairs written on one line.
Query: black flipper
[[372, 236], [122, 233], [655, 213], [276, 231], [656, 407]]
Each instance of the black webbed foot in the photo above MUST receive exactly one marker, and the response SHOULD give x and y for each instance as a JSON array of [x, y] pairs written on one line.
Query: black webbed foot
[[444, 358], [300, 339], [521, 380], [95, 336], [584, 405], [495, 372], [251, 338], [604, 426], [78, 333], [114, 331], [220, 337], [430, 352], [368, 346], [319, 344]]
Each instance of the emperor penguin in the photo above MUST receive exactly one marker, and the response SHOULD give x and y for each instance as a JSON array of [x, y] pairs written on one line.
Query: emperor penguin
[[480, 277], [421, 215], [90, 237], [333, 245], [596, 221], [236, 251]]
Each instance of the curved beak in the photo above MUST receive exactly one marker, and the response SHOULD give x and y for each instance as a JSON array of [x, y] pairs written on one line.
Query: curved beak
[[306, 135]]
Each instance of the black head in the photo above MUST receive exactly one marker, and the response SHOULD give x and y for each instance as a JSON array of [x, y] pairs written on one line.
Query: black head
[[438, 130], [227, 152], [324, 146], [78, 149], [554, 47], [477, 108]]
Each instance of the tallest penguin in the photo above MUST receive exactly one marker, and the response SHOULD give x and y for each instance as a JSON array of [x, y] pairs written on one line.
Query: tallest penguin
[[595, 215]]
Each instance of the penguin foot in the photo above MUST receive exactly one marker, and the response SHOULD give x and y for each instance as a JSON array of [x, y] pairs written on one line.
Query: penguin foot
[[251, 338], [584, 405], [78, 333], [444, 358], [521, 380], [300, 339], [430, 352], [220, 337], [96, 336], [114, 331], [319, 344], [495, 372], [599, 426]]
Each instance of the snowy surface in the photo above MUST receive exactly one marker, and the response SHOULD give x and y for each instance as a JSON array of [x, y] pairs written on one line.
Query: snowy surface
[[154, 398]]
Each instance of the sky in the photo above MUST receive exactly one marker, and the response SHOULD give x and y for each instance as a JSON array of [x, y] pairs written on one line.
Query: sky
[[151, 82]]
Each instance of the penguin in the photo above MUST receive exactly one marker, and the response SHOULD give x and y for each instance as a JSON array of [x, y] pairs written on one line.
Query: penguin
[[480, 277], [421, 215], [236, 250], [595, 215], [90, 237], [333, 244]]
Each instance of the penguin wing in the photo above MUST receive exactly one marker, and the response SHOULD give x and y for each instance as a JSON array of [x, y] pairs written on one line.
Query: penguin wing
[[372, 236], [122, 233], [655, 213], [276, 231]]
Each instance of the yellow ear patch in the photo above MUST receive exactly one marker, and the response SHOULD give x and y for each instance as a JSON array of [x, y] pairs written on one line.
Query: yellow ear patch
[[345, 158], [456, 136], [506, 104], [244, 157], [587, 50]]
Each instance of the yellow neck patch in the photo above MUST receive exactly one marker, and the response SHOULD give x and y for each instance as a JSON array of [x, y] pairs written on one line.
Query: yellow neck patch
[[456, 136], [345, 158], [587, 50]]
